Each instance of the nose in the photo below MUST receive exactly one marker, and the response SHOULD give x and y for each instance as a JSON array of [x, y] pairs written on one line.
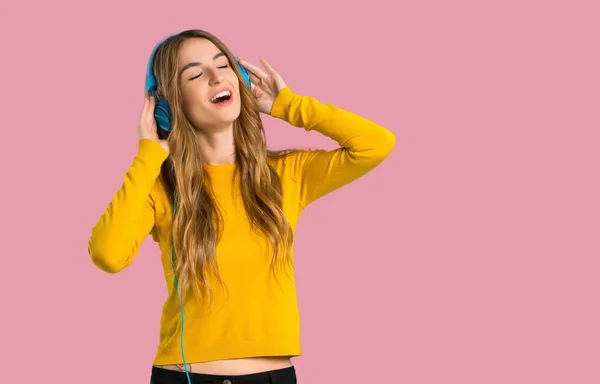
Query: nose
[[215, 76]]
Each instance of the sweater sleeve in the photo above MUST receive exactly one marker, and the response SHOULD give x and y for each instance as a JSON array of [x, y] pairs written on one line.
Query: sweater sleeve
[[129, 218], [363, 144]]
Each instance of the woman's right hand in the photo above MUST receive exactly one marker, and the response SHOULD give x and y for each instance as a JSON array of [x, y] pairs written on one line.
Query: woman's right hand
[[147, 127]]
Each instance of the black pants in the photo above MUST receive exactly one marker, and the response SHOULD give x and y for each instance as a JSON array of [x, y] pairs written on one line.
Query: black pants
[[277, 376]]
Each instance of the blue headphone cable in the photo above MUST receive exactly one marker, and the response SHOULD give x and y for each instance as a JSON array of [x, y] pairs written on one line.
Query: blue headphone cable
[[180, 302]]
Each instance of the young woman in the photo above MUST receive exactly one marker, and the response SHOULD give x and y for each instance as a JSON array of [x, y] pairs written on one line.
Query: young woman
[[223, 209]]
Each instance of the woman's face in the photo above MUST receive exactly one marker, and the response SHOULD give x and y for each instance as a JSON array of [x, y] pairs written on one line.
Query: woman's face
[[209, 86]]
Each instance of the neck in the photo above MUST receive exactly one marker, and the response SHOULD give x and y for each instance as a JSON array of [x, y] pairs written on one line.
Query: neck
[[217, 147]]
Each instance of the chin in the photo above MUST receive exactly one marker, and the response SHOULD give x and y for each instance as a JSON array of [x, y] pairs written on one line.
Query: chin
[[220, 118], [230, 116], [232, 113]]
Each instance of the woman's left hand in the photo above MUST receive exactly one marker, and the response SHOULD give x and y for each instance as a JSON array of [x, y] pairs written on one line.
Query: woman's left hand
[[265, 85]]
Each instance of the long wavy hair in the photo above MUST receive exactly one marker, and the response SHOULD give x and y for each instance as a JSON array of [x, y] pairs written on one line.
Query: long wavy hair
[[197, 223]]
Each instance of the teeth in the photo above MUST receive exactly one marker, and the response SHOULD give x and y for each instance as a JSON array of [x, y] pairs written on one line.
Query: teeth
[[220, 94]]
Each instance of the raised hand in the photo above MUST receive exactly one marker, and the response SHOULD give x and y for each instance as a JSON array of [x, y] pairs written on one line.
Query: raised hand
[[266, 84], [147, 127]]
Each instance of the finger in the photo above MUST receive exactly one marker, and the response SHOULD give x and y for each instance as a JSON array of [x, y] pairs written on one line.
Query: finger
[[257, 90], [251, 68], [257, 84], [254, 86], [149, 106], [145, 106], [267, 66], [255, 79]]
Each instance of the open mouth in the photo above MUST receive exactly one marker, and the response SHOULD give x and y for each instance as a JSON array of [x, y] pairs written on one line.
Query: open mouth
[[221, 97]]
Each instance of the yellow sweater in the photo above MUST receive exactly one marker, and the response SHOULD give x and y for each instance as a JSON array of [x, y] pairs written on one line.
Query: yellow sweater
[[258, 315]]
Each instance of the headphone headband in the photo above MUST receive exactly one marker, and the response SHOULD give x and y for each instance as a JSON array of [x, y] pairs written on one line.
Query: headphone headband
[[151, 82], [150, 78]]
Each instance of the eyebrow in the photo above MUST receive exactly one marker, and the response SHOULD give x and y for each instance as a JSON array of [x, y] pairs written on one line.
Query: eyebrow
[[197, 63]]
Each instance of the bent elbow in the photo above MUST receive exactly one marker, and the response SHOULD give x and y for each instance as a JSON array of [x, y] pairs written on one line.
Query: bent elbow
[[384, 145], [104, 259], [388, 142]]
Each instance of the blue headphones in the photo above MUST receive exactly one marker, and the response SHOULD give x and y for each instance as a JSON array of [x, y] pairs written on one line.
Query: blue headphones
[[162, 112]]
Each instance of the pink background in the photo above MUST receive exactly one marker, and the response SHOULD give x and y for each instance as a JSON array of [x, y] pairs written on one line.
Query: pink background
[[470, 256]]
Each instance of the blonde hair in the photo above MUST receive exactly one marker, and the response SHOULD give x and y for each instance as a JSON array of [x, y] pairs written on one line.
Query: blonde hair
[[197, 223]]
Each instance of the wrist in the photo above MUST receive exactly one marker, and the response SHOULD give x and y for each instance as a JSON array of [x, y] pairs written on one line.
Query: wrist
[[281, 104], [153, 148]]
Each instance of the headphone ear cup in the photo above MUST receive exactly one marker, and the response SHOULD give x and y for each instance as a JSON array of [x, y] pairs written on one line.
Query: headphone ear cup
[[245, 76], [162, 114], [244, 73]]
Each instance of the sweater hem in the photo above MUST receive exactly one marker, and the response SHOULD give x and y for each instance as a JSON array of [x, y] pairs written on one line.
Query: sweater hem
[[228, 350]]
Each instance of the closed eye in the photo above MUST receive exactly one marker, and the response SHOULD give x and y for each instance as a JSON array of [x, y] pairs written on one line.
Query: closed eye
[[200, 74]]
